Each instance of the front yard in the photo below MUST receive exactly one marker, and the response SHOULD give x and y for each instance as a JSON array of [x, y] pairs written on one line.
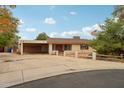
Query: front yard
[[15, 69]]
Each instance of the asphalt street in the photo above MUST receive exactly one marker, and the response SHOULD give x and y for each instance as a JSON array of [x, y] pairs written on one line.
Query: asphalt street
[[86, 79]]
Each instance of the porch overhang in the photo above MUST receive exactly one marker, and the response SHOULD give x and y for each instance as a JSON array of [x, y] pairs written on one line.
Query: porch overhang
[[34, 41]]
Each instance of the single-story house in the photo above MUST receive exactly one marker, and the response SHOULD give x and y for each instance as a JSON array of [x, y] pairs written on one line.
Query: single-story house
[[53, 44], [6, 49]]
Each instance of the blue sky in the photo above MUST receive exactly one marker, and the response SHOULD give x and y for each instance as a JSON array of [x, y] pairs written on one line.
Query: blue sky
[[60, 21]]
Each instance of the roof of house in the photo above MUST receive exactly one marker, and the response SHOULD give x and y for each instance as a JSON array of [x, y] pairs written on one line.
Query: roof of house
[[67, 41], [33, 41], [74, 40]]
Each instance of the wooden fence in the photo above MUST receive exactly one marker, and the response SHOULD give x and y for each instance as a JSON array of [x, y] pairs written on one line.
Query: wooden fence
[[110, 57], [94, 56], [78, 54]]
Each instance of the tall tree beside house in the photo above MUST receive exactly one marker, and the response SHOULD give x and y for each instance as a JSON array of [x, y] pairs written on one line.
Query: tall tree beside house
[[111, 39], [119, 11], [8, 26], [42, 36]]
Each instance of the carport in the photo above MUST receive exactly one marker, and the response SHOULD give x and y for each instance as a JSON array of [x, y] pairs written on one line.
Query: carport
[[33, 47]]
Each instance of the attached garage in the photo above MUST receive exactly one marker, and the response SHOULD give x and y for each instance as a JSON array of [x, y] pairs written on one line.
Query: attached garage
[[33, 47]]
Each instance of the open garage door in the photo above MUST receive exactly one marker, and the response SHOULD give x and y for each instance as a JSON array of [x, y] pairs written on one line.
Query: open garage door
[[31, 48]]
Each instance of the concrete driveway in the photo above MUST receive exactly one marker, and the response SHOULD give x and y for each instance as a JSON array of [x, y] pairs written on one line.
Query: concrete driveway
[[16, 69]]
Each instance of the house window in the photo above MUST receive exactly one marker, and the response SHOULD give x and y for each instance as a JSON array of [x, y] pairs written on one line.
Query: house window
[[84, 47], [67, 47]]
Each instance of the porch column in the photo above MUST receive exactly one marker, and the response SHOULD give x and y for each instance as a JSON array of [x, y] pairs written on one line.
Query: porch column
[[50, 49], [21, 49], [63, 48], [94, 55]]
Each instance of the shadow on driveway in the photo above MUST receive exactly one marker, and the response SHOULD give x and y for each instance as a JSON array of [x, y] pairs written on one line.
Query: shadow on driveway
[[113, 78]]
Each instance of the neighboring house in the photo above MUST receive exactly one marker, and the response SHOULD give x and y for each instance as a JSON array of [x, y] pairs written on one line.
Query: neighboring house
[[2, 49], [7, 50], [53, 44]]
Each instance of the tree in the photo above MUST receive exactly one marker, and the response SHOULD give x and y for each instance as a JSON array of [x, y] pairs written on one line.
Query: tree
[[111, 39], [8, 26], [42, 36], [119, 11]]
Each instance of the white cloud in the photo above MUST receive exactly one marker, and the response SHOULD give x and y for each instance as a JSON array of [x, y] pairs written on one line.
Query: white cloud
[[53, 34], [65, 34], [71, 33], [49, 21], [85, 32], [24, 37], [21, 21], [72, 13], [31, 29]]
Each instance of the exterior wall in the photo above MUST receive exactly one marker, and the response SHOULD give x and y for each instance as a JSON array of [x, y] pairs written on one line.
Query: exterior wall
[[75, 47], [21, 48], [50, 48], [90, 49], [77, 52]]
